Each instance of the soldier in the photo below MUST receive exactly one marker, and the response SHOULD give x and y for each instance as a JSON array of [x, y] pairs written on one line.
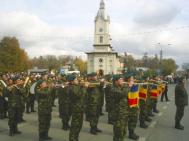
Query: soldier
[[64, 105], [1, 101], [109, 102], [120, 95], [77, 93], [14, 105], [24, 93], [144, 99], [133, 113], [43, 91], [143, 113], [94, 103], [181, 100], [30, 100]]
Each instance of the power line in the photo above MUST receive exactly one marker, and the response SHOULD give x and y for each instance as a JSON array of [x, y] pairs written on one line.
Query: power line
[[81, 36]]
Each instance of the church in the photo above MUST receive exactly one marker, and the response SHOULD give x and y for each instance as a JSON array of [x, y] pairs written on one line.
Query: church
[[103, 59]]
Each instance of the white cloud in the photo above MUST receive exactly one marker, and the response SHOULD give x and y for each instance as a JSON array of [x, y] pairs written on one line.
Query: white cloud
[[66, 28]]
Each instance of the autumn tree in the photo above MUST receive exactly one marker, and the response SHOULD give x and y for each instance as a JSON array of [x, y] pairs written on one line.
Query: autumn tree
[[81, 65], [12, 57], [168, 66]]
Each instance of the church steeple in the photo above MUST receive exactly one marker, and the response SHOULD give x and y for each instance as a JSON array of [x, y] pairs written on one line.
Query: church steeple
[[102, 4], [102, 36], [102, 12]]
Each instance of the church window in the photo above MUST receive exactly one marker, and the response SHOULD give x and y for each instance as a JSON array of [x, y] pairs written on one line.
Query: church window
[[100, 30], [100, 60], [101, 66], [101, 39]]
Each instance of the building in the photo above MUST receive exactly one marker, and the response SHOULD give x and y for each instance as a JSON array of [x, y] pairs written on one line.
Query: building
[[103, 59]]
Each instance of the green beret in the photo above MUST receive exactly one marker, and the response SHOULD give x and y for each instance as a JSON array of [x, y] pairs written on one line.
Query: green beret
[[128, 75], [116, 77], [39, 82], [71, 77]]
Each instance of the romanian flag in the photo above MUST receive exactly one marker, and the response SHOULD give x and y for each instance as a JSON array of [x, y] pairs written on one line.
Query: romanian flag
[[154, 91], [143, 92], [133, 96]]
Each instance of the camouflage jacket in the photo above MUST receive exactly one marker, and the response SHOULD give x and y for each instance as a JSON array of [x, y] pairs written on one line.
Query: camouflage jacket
[[120, 96], [77, 96], [44, 100]]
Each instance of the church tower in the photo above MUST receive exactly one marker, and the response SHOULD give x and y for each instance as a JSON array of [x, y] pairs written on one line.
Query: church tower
[[102, 35], [103, 59]]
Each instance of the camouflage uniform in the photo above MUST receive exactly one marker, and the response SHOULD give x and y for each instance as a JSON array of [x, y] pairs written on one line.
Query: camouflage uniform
[[143, 115], [94, 106], [121, 110], [77, 98], [30, 100], [109, 104], [14, 106], [24, 92], [44, 111], [181, 100], [64, 107], [132, 122]]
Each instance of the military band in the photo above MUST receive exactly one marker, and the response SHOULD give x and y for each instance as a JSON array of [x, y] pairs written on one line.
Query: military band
[[127, 100]]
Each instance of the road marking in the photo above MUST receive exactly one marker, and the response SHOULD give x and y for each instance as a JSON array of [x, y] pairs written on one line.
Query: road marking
[[142, 139], [160, 114], [164, 107], [152, 125]]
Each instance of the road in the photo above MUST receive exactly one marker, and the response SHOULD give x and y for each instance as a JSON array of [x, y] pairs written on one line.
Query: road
[[160, 129]]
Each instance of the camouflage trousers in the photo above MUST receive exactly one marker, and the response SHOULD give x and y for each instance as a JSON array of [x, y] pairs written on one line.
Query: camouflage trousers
[[179, 113], [76, 125], [65, 113], [120, 128], [93, 116], [133, 118], [44, 122], [143, 111], [13, 113]]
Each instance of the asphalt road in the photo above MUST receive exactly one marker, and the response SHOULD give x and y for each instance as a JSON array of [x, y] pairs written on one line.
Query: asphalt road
[[160, 129]]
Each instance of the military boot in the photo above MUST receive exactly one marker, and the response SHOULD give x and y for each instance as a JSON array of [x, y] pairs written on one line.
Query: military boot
[[132, 135], [143, 125], [98, 130], [93, 131], [179, 126], [41, 136], [11, 132], [46, 136], [148, 119], [65, 127], [16, 131]]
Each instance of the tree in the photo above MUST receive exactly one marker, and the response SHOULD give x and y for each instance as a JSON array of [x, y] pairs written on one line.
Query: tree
[[82, 65], [12, 57], [168, 66]]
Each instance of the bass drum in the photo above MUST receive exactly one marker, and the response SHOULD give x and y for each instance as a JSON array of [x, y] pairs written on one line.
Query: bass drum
[[32, 88]]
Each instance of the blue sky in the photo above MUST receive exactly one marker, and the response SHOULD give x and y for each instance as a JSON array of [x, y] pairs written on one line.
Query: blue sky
[[61, 27]]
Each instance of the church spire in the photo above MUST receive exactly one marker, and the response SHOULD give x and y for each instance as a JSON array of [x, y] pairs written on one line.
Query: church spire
[[102, 12], [102, 4]]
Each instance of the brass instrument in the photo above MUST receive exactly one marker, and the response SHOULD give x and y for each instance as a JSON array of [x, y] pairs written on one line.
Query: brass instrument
[[26, 81], [4, 84]]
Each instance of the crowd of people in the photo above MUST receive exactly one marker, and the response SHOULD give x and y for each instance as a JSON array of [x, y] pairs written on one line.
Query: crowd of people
[[126, 100]]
